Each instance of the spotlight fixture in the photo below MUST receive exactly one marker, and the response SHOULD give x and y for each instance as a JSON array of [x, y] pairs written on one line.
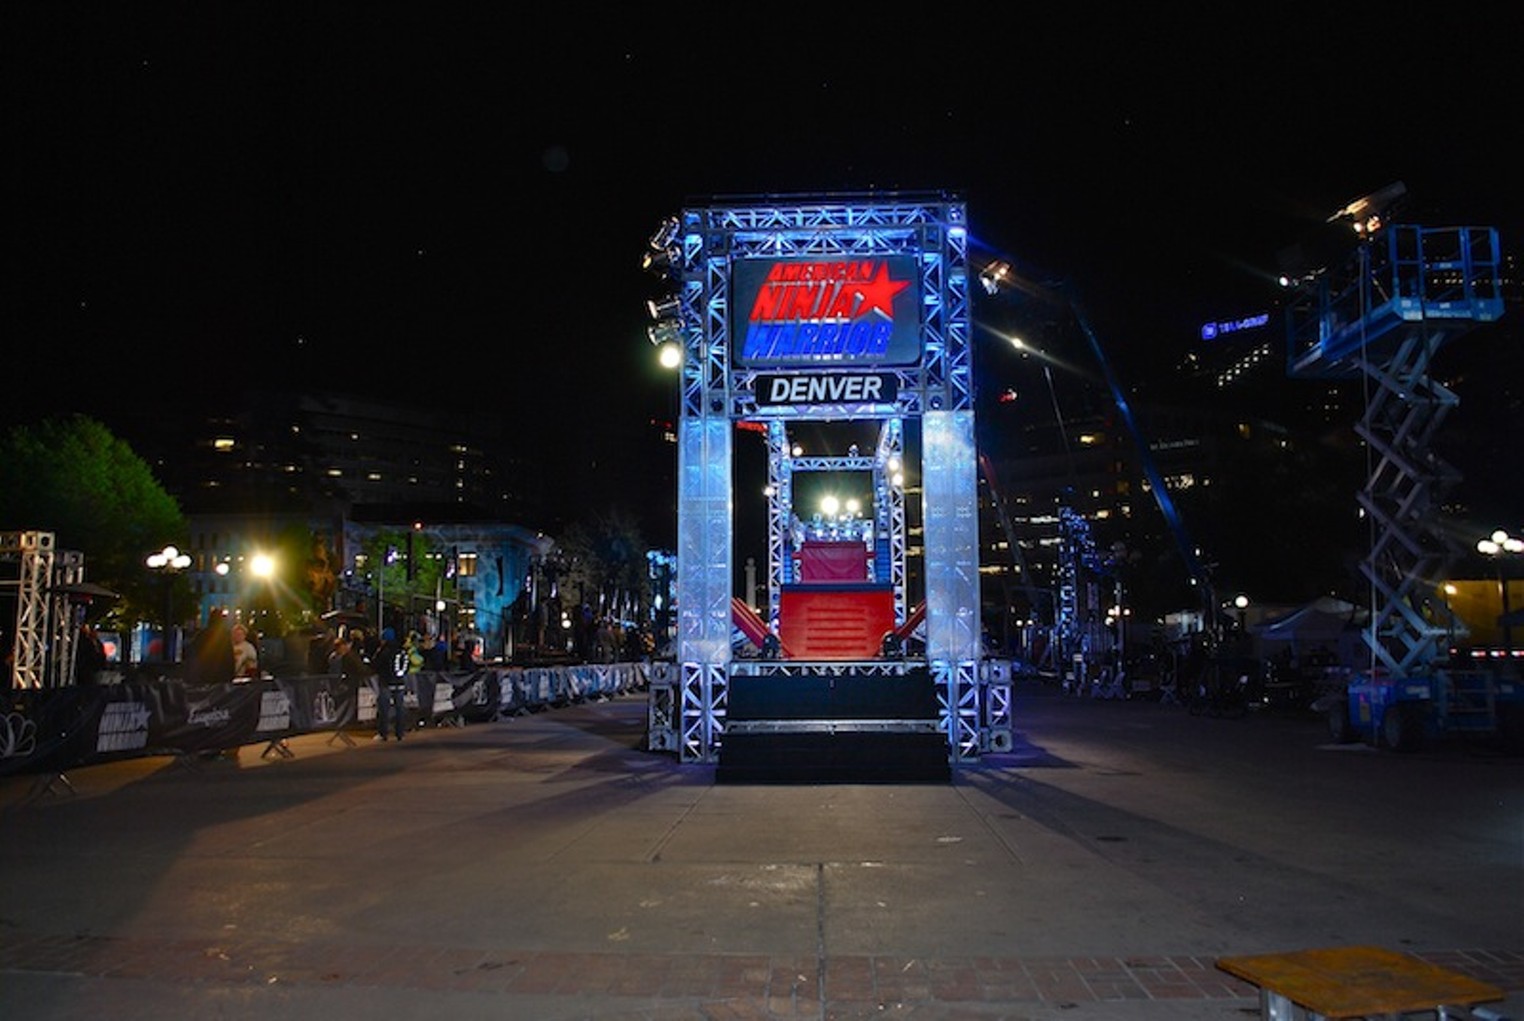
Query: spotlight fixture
[[657, 261], [665, 234], [993, 275], [669, 307], [663, 254], [1368, 213], [665, 331]]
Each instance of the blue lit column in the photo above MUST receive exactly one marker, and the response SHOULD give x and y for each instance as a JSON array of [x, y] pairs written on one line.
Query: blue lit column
[[704, 538], [950, 502]]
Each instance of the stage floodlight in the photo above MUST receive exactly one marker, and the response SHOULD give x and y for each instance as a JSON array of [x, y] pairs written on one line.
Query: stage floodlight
[[993, 275], [665, 331], [665, 234], [1368, 213], [669, 307], [658, 261]]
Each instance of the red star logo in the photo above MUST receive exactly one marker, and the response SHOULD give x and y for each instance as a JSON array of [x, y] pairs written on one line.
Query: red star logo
[[879, 294]]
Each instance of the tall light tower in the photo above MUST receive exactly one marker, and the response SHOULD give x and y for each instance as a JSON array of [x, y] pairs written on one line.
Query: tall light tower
[[1498, 547], [169, 562]]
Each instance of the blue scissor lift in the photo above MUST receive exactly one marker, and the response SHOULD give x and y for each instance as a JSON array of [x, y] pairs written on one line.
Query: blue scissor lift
[[1382, 315]]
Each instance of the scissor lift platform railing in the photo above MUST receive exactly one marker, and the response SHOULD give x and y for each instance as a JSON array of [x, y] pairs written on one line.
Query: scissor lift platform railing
[[1349, 316]]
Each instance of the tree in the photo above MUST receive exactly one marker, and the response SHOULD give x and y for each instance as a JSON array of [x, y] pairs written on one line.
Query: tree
[[386, 564], [605, 563], [71, 476], [320, 565], [302, 586]]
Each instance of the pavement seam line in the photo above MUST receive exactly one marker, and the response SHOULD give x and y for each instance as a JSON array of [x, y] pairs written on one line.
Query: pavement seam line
[[820, 939], [989, 826], [656, 849]]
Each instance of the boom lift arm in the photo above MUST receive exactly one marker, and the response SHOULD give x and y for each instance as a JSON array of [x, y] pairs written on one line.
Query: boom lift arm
[[999, 273]]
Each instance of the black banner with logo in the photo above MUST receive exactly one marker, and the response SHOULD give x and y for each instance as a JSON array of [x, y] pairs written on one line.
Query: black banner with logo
[[57, 729]]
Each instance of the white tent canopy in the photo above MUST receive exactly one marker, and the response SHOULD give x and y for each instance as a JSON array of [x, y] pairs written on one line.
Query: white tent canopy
[[1326, 624]]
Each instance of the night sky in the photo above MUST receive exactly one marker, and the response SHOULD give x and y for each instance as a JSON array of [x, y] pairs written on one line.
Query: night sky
[[454, 198]]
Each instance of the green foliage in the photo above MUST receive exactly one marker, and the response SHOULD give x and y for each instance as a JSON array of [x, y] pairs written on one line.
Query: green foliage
[[603, 556], [397, 589], [72, 477], [302, 586]]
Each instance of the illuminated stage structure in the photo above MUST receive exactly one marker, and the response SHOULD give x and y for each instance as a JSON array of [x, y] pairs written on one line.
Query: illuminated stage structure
[[841, 309]]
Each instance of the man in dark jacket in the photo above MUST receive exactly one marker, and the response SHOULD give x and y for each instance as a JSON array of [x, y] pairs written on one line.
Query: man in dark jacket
[[209, 660], [390, 663], [89, 656]]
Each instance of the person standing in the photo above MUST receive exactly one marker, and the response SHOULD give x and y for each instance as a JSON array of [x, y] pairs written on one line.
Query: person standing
[[320, 649], [436, 653], [89, 656], [245, 656], [344, 659], [390, 663], [209, 659]]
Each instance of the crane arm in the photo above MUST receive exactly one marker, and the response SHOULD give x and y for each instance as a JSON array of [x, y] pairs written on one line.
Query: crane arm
[[1000, 274], [1193, 565]]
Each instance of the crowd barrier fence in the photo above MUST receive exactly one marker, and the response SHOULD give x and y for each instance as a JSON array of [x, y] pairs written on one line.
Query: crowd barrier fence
[[54, 730]]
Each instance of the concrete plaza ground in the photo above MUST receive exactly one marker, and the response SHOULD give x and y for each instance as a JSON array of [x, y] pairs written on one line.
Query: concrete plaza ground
[[548, 867]]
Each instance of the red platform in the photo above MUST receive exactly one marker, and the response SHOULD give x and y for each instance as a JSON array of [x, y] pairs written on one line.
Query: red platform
[[826, 562], [835, 622]]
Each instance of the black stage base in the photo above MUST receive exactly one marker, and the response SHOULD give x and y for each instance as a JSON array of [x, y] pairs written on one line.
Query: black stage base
[[836, 728]]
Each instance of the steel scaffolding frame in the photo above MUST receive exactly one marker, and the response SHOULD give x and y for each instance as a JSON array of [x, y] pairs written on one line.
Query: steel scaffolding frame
[[45, 626], [1382, 315], [888, 507], [711, 241], [32, 553]]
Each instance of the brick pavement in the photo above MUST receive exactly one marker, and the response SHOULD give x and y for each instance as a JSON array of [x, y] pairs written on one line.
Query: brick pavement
[[700, 986]]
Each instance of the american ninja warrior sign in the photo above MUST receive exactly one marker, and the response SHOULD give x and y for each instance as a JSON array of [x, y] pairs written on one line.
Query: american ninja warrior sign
[[825, 313]]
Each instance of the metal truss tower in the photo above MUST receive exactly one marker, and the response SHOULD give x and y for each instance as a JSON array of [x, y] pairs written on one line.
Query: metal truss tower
[[45, 625], [707, 247], [1078, 629], [1382, 317]]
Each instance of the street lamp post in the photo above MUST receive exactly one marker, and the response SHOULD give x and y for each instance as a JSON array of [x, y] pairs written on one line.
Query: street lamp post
[[169, 561], [1448, 590], [1495, 546], [245, 599], [262, 567]]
